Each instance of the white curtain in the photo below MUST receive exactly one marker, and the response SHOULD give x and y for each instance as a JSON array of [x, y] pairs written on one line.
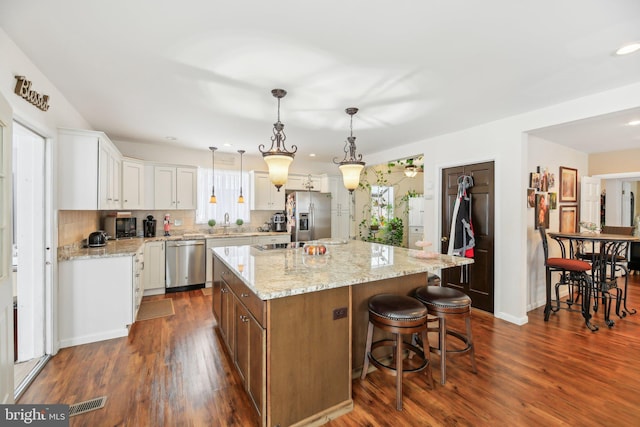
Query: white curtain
[[227, 191]]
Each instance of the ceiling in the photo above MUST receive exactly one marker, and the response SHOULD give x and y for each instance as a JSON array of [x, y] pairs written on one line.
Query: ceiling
[[202, 71]]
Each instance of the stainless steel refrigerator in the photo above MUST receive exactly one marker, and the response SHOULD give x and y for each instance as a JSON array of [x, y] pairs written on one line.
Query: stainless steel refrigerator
[[308, 215]]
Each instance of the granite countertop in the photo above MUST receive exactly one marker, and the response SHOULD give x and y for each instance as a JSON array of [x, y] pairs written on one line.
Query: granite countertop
[[283, 272], [129, 247]]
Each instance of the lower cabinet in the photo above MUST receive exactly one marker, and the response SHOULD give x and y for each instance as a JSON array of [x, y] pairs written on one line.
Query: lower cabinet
[[249, 354], [138, 281], [265, 240], [96, 299], [154, 257], [244, 336], [309, 373]]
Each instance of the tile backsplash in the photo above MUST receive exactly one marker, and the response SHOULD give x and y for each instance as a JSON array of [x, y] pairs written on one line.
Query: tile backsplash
[[75, 226]]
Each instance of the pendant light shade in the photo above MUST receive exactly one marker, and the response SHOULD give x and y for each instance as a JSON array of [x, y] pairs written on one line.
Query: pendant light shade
[[277, 157], [352, 164], [212, 199], [410, 170], [241, 197]]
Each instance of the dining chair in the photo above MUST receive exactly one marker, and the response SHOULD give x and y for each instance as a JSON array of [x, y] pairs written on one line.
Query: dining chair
[[573, 274], [617, 262]]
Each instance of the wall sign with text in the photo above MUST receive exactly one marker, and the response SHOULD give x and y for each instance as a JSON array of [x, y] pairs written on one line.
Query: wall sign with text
[[23, 89]]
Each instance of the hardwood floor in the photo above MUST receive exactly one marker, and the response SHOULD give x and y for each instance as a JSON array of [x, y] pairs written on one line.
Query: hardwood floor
[[172, 371]]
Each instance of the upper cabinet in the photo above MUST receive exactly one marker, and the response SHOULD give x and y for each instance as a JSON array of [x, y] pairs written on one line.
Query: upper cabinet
[[264, 195], [301, 183], [88, 171], [132, 184], [175, 187]]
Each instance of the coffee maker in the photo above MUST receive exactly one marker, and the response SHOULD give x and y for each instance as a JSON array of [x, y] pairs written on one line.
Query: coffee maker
[[279, 222], [149, 226]]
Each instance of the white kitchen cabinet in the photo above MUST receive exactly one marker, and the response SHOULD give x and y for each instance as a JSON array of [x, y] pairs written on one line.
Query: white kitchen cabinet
[[175, 187], [154, 258], [88, 171], [138, 281], [416, 211], [416, 233], [263, 194], [340, 209], [217, 242], [96, 299], [132, 184], [299, 182], [270, 239]]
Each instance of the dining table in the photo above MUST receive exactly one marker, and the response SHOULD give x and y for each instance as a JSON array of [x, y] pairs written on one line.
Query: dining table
[[604, 251]]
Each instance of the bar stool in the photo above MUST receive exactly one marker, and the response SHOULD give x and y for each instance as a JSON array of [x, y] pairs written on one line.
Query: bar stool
[[400, 315], [444, 303]]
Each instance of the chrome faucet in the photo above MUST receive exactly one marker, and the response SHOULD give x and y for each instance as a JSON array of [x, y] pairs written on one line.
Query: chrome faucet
[[226, 218]]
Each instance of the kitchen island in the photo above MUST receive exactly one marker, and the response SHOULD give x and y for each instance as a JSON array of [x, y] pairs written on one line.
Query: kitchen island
[[295, 324]]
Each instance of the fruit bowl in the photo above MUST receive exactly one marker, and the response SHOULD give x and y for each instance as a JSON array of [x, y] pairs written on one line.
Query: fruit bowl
[[315, 249]]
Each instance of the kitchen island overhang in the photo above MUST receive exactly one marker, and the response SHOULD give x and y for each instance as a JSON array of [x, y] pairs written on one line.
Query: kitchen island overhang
[[295, 324]]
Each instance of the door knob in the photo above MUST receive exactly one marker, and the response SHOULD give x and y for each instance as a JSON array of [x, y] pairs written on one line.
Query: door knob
[[444, 239]]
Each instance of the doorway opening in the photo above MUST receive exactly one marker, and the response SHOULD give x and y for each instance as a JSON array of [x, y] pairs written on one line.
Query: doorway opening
[[28, 254]]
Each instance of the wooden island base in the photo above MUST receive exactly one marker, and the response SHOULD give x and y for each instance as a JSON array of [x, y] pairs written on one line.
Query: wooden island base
[[295, 327]]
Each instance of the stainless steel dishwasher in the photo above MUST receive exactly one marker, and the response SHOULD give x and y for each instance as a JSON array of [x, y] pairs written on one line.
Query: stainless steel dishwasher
[[185, 263]]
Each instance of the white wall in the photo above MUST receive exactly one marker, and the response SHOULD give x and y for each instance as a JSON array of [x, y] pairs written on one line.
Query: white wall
[[60, 114], [547, 154]]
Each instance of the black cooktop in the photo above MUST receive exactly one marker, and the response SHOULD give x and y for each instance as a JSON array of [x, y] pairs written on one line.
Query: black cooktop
[[272, 246]]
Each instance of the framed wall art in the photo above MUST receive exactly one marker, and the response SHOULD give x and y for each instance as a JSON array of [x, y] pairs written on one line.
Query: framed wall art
[[531, 197], [542, 210], [569, 218], [553, 200], [568, 184]]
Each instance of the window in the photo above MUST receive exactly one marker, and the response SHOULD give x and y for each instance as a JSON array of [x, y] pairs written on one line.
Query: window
[[382, 203], [227, 191]]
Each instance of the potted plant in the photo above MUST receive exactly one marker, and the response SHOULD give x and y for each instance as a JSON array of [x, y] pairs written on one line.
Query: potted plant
[[374, 223], [239, 223], [211, 223]]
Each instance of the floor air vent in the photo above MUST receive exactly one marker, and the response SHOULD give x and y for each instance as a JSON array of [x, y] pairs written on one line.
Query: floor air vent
[[87, 406]]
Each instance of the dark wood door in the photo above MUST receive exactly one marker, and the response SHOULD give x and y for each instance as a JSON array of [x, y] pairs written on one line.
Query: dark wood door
[[478, 280]]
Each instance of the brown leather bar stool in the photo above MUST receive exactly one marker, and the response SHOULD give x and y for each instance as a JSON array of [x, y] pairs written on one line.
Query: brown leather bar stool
[[445, 303], [400, 315]]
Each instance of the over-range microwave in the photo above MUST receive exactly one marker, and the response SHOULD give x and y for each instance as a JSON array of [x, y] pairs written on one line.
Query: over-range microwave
[[119, 228]]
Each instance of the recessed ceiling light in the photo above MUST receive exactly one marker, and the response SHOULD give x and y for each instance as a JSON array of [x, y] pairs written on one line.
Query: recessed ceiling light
[[226, 144], [628, 48], [634, 123], [170, 138], [312, 154]]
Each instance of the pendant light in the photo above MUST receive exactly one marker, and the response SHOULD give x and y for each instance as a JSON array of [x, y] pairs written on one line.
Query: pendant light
[[212, 199], [352, 164], [241, 198], [410, 171], [278, 158]]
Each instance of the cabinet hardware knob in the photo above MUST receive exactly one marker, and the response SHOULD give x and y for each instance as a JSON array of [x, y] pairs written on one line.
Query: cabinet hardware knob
[[244, 295]]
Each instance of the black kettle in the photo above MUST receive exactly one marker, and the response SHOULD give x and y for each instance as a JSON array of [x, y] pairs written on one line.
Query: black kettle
[[97, 239]]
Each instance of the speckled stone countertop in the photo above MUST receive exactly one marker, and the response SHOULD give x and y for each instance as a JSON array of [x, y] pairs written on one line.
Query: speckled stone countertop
[[279, 273], [129, 247]]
